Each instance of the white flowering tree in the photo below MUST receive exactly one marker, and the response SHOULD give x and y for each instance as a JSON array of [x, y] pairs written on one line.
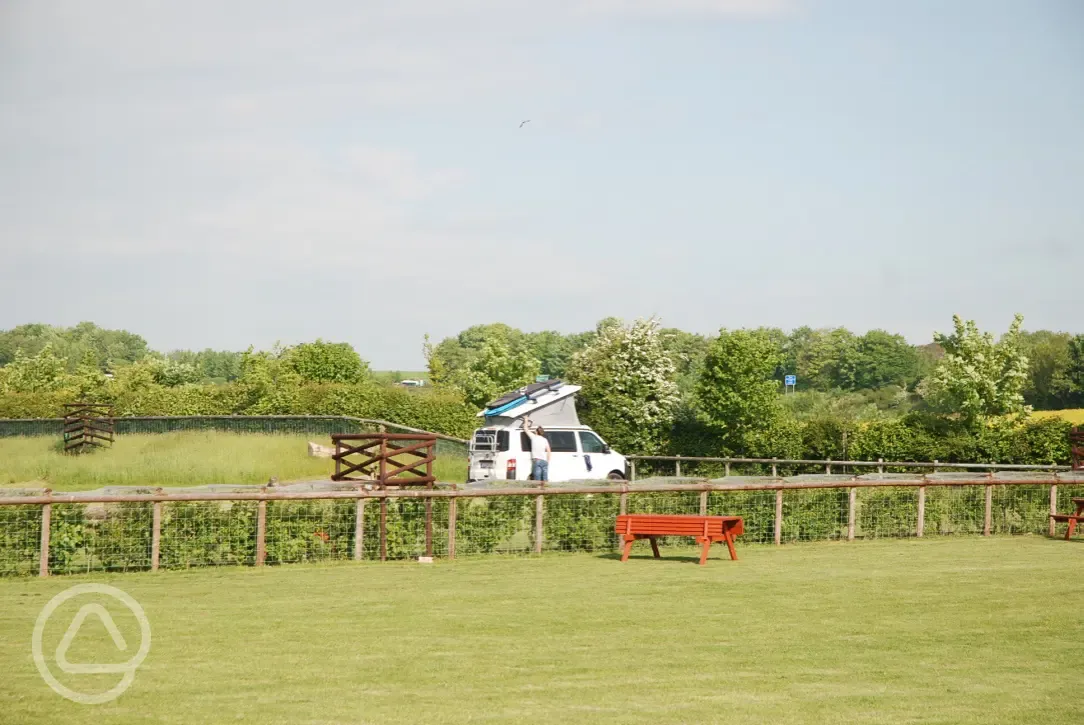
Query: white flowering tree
[[979, 376], [629, 393]]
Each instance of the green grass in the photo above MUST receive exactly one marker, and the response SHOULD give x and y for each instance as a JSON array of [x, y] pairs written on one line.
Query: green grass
[[1073, 415], [965, 630], [389, 376], [175, 459]]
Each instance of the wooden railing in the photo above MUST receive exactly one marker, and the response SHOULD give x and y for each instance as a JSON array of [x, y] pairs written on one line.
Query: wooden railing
[[880, 464], [623, 490]]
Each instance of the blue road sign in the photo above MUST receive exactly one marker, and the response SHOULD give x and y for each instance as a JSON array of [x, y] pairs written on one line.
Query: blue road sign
[[790, 380]]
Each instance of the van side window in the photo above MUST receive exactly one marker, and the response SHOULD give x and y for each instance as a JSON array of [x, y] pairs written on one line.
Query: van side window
[[502, 440], [561, 441], [591, 443], [524, 442]]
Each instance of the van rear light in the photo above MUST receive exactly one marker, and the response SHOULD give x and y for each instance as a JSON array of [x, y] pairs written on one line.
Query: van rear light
[[511, 474]]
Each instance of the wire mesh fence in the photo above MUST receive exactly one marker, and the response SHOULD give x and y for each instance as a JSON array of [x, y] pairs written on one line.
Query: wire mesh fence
[[151, 530]]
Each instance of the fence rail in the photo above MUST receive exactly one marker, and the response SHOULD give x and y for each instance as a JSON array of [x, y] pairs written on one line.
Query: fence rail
[[880, 464], [47, 533]]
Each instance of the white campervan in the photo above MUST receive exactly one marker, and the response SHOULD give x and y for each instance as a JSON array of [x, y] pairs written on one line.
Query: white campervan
[[501, 451]]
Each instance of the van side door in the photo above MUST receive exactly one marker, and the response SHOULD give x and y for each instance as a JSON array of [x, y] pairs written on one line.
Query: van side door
[[566, 464], [594, 454]]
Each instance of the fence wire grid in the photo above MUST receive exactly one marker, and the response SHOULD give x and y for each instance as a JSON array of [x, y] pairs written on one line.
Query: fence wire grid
[[119, 537]]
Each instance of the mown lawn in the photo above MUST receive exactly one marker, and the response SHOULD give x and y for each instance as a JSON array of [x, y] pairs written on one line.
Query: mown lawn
[[175, 459], [955, 630]]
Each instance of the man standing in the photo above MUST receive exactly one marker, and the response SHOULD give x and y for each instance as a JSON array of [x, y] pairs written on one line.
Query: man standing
[[540, 452]]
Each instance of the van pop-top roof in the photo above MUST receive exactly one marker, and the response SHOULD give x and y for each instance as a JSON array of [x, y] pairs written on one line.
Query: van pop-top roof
[[548, 403]]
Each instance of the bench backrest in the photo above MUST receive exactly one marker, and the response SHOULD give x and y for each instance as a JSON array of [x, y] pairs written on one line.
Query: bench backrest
[[677, 525]]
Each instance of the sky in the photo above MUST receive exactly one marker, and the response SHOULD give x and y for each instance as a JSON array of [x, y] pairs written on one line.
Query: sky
[[213, 174]]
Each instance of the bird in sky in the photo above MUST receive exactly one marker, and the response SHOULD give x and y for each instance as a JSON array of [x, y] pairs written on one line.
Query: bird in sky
[[524, 123]]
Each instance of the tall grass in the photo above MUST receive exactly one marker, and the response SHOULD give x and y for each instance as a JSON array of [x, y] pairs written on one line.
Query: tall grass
[[1073, 415], [174, 459]]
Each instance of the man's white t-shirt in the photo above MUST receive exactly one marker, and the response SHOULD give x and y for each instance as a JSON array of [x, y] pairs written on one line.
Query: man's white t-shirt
[[539, 446]]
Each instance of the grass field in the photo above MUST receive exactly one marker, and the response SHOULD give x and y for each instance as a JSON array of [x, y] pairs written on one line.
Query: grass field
[[390, 376], [175, 459], [1073, 415], [966, 630]]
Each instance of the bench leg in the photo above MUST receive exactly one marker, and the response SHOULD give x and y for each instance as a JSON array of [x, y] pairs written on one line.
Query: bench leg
[[628, 549], [1069, 529], [730, 544], [655, 548], [704, 552]]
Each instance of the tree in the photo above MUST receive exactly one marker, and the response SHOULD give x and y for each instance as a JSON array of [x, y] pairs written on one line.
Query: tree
[[1075, 371], [451, 357], [554, 350], [497, 368], [978, 377], [216, 366], [815, 356], [89, 380], [1049, 385], [687, 350], [171, 373], [327, 362], [72, 344], [877, 359], [737, 391], [628, 391], [41, 373]]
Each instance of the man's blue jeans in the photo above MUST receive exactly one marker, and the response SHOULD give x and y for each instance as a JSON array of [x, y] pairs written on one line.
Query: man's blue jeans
[[540, 470]]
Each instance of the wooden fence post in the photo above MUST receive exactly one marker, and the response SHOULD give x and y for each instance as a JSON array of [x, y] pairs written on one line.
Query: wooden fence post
[[851, 501], [935, 465], [156, 535], [677, 467], [828, 467], [775, 469], [632, 470], [1053, 505], [778, 516], [538, 506], [46, 523], [451, 526], [261, 532], [623, 501], [989, 504], [726, 468], [920, 525], [359, 529], [880, 465], [703, 503]]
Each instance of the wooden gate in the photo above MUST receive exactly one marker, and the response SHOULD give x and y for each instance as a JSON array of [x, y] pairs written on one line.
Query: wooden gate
[[388, 460], [87, 425]]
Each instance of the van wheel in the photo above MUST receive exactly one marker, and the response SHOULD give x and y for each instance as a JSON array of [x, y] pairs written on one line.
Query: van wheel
[[615, 476]]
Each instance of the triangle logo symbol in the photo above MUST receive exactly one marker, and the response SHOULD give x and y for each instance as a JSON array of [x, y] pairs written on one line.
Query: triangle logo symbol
[[73, 629]]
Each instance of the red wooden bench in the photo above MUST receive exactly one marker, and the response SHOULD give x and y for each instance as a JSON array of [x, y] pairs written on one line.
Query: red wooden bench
[[1071, 519], [706, 529]]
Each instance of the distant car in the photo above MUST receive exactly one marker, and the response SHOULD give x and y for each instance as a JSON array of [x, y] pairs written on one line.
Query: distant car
[[412, 383]]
